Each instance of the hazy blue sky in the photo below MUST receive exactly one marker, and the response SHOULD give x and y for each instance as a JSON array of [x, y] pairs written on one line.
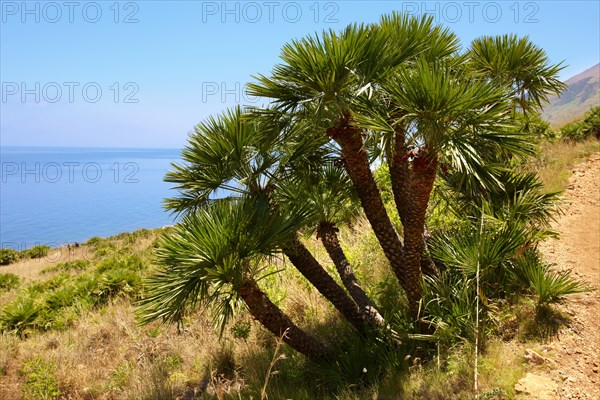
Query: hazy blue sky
[[141, 74]]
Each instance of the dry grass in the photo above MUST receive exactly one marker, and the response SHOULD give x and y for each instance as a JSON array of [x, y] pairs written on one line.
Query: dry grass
[[500, 368], [555, 164], [30, 268], [106, 355]]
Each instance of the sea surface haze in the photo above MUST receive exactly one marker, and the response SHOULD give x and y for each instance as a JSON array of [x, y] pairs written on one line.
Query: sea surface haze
[[54, 196]]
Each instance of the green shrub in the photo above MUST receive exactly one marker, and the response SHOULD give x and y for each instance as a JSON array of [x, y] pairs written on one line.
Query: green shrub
[[120, 375], [37, 289], [450, 307], [78, 265], [358, 364], [31, 310], [112, 249], [241, 330], [8, 281], [131, 263], [9, 256], [20, 315], [61, 319], [491, 250], [54, 318], [40, 379], [53, 304], [581, 130], [62, 297], [94, 241], [37, 251], [116, 282], [143, 233], [56, 302]]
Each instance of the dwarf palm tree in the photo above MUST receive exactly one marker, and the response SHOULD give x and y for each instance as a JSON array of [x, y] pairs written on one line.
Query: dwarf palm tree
[[404, 84], [400, 88], [238, 155], [215, 255], [320, 80]]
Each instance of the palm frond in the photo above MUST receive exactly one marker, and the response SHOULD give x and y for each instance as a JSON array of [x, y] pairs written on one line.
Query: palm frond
[[210, 252], [518, 64], [465, 249], [547, 283]]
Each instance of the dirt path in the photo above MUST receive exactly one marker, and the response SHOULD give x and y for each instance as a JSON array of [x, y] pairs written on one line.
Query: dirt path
[[577, 351]]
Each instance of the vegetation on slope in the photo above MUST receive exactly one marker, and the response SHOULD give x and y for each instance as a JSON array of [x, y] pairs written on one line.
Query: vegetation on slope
[[9, 256], [102, 353]]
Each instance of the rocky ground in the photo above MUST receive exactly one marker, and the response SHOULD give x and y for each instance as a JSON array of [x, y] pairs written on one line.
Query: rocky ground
[[570, 365]]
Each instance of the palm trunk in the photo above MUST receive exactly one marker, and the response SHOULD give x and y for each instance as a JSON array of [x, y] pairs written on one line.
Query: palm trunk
[[400, 176], [308, 266], [357, 165], [328, 234], [428, 266], [421, 184], [412, 183], [279, 323]]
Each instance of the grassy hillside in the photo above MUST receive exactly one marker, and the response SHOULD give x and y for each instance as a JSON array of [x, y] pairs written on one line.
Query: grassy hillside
[[583, 93], [69, 330]]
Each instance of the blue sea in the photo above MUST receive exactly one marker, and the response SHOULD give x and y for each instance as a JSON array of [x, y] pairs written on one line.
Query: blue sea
[[55, 196]]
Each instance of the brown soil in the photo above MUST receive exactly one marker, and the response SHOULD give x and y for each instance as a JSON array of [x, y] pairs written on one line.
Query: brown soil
[[577, 349]]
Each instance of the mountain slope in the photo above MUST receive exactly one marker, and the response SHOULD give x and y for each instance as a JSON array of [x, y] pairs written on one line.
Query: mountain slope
[[583, 93]]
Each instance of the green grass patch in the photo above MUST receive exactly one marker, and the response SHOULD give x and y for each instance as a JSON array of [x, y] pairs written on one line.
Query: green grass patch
[[69, 266], [9, 281], [40, 379], [37, 252]]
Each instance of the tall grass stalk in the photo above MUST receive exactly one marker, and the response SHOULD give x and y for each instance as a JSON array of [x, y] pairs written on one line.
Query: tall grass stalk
[[475, 373], [263, 392]]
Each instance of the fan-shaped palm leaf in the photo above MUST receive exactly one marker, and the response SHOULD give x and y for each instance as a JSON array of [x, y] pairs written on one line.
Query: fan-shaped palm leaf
[[213, 251], [518, 64]]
